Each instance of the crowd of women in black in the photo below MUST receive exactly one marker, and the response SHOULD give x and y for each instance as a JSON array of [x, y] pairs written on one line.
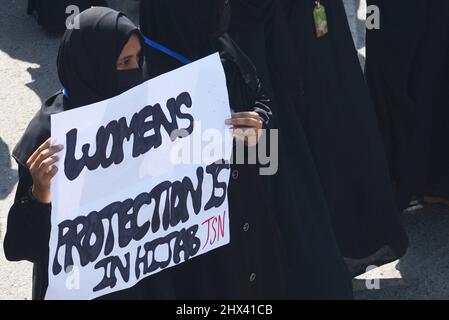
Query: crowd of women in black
[[354, 151]]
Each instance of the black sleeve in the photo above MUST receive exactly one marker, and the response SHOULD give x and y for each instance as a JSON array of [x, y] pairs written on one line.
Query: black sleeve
[[28, 229], [262, 105], [248, 95]]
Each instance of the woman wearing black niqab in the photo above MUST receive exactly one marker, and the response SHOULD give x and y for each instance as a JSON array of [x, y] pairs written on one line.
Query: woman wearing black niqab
[[316, 267], [408, 74], [252, 266], [341, 127], [391, 54], [91, 69]]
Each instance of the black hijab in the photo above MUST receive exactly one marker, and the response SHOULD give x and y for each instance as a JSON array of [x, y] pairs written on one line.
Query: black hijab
[[164, 21], [87, 57], [87, 69]]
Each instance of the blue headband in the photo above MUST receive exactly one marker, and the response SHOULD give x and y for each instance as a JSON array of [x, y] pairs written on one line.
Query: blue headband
[[166, 50]]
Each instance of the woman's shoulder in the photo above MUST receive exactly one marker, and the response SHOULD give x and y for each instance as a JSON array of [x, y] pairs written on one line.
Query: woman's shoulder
[[38, 130]]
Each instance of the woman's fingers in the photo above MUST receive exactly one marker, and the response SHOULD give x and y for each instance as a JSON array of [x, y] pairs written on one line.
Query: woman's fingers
[[53, 172], [42, 169], [38, 151], [45, 165], [45, 154], [245, 123], [247, 114], [246, 127]]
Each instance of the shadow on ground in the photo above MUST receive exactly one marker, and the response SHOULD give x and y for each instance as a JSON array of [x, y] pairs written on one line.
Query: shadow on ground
[[8, 175], [425, 267], [23, 39]]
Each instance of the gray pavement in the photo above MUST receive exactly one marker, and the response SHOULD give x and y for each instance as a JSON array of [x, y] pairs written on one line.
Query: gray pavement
[[28, 76]]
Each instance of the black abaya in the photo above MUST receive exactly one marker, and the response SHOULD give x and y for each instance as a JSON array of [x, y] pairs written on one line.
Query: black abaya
[[341, 128], [407, 70], [391, 54], [316, 268], [318, 84]]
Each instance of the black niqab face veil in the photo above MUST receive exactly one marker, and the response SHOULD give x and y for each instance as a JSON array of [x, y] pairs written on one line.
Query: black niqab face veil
[[88, 56], [87, 68], [187, 27]]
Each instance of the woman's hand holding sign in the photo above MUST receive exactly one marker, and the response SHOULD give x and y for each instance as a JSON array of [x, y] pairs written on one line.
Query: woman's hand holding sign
[[246, 126], [42, 169]]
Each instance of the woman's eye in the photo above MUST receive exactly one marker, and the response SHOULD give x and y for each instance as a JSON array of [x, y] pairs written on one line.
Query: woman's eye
[[123, 63]]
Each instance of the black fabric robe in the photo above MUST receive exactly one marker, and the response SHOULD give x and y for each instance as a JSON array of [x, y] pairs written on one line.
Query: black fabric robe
[[253, 265], [407, 71], [434, 58], [316, 268], [314, 82], [341, 127]]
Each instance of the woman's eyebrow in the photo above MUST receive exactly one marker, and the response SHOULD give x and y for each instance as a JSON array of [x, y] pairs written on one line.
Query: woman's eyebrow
[[127, 57], [131, 55]]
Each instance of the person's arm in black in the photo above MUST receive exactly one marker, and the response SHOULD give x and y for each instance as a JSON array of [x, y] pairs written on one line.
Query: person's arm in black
[[263, 105], [28, 228]]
